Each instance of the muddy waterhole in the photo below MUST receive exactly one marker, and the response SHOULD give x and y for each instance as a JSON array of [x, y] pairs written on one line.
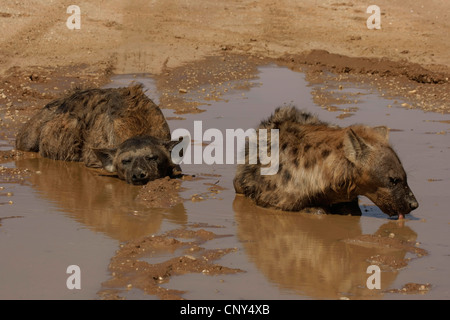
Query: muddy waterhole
[[65, 214]]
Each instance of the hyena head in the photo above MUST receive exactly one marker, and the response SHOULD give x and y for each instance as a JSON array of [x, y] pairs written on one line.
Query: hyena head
[[140, 159], [381, 175]]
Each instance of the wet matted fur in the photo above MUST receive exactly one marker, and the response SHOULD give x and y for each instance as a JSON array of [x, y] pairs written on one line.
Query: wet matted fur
[[326, 166], [70, 128]]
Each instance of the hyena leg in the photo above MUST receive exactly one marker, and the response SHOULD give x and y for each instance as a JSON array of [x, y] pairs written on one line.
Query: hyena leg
[[346, 208]]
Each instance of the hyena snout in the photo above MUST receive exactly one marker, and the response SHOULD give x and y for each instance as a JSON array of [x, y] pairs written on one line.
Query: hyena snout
[[396, 202], [142, 170], [140, 176], [412, 201], [409, 201]]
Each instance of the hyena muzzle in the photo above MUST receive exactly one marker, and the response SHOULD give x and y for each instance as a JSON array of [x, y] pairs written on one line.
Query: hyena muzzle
[[328, 167], [75, 127]]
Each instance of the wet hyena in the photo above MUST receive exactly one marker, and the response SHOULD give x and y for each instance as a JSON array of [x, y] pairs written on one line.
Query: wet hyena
[[72, 128], [327, 167], [140, 159]]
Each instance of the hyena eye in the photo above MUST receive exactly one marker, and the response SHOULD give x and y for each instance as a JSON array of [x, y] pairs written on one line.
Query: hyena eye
[[150, 158], [394, 181], [126, 161]]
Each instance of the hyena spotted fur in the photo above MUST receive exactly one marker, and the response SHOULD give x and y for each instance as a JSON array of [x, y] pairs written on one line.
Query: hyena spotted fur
[[325, 166], [92, 125]]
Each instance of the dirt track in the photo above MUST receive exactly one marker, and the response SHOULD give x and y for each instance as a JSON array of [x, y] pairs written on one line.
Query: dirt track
[[157, 36], [145, 36]]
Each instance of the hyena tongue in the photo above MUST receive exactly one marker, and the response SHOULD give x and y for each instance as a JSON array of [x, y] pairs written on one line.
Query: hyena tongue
[[401, 216]]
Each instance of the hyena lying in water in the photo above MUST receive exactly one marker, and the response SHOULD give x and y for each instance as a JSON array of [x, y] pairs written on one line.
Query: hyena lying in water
[[120, 129], [327, 167]]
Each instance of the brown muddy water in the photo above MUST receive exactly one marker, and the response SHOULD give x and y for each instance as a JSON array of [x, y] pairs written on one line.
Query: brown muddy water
[[65, 214]]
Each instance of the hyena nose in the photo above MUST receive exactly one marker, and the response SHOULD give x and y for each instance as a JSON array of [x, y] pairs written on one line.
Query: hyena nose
[[413, 204], [139, 176]]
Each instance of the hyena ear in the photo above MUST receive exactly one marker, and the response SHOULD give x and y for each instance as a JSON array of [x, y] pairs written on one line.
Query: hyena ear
[[382, 131], [169, 144], [355, 148], [106, 156], [177, 149]]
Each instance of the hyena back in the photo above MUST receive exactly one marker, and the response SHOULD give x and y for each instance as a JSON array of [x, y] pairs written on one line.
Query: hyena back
[[70, 127], [89, 123], [325, 166]]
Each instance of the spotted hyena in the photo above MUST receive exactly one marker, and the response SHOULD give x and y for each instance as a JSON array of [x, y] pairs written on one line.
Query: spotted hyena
[[87, 124], [325, 166]]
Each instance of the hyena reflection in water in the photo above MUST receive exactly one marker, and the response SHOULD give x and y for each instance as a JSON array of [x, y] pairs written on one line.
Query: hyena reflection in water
[[327, 167], [120, 129]]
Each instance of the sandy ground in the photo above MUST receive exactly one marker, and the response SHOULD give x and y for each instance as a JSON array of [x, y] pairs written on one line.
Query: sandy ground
[[146, 36], [38, 52], [181, 42]]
